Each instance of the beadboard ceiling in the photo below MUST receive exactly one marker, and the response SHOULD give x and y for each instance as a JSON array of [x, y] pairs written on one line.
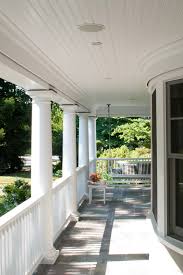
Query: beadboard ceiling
[[43, 37]]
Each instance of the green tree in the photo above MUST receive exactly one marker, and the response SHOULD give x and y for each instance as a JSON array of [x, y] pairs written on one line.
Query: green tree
[[15, 120], [15, 126], [57, 129], [103, 133], [136, 132]]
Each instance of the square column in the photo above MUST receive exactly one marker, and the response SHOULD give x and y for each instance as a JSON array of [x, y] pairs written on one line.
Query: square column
[[69, 151], [41, 166], [92, 141]]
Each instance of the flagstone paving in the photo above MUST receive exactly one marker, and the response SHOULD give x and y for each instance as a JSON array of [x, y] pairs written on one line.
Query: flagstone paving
[[116, 238]]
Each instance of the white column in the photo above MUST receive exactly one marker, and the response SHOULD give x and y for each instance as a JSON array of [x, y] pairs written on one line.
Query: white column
[[41, 166], [83, 140], [92, 140], [161, 160], [69, 151]]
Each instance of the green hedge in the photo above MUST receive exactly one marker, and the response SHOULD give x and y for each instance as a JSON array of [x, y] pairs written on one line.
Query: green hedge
[[124, 152]]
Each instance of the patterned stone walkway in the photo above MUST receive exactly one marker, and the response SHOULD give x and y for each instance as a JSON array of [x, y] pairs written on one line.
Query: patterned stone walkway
[[112, 239]]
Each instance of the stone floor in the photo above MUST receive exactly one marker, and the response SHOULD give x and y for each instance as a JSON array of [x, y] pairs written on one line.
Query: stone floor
[[116, 238]]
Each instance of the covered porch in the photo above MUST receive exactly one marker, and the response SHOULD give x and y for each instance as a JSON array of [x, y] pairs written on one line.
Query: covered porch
[[84, 55]]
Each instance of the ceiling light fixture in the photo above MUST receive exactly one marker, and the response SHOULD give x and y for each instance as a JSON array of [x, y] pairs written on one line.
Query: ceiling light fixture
[[107, 78], [91, 27]]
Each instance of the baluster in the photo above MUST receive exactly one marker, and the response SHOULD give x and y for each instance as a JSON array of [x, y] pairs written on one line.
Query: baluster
[[7, 249], [3, 252], [30, 234]]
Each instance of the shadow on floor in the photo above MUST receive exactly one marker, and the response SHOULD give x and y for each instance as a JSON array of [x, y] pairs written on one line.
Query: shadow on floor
[[87, 246]]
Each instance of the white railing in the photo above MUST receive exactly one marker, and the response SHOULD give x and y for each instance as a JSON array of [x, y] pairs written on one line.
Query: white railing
[[121, 168], [21, 246], [21, 242], [81, 182], [62, 204]]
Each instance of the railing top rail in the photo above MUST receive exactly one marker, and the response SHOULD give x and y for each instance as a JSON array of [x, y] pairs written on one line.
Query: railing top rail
[[126, 159], [80, 168], [18, 211], [59, 183], [92, 160]]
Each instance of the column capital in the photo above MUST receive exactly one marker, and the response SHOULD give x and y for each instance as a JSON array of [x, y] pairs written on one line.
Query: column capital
[[69, 108], [92, 117], [83, 114], [41, 95]]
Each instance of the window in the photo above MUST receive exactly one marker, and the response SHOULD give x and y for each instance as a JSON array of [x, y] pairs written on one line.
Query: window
[[175, 157]]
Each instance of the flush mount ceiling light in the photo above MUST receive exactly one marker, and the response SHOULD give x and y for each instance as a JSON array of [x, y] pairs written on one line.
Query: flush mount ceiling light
[[91, 27], [107, 78], [96, 43]]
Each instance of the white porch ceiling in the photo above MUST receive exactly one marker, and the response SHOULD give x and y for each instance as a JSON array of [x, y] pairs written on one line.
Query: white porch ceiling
[[43, 37]]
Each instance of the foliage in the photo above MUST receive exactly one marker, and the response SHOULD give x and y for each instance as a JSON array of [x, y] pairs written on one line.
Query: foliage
[[57, 129], [135, 133], [15, 118], [141, 152], [2, 135], [57, 169], [124, 152], [121, 152], [15, 127], [103, 132], [106, 176], [14, 194]]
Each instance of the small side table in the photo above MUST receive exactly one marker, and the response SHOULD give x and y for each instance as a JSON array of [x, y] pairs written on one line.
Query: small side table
[[96, 186]]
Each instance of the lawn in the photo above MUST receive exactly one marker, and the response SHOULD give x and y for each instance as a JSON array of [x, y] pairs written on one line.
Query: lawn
[[10, 178], [22, 175]]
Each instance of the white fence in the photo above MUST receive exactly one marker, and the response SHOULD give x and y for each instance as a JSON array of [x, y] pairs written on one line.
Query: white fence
[[21, 243], [62, 204], [21, 246]]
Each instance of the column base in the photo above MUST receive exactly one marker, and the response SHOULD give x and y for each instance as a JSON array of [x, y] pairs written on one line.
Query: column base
[[75, 216], [51, 256]]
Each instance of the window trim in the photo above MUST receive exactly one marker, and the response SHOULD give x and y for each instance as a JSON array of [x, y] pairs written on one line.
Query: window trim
[[173, 230]]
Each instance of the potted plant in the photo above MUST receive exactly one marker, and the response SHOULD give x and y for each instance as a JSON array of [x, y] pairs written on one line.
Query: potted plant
[[94, 177]]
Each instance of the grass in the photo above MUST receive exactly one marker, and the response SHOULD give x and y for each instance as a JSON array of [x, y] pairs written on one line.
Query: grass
[[10, 178], [22, 175]]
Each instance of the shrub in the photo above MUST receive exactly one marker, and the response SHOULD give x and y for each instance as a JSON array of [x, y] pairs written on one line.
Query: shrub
[[14, 194], [124, 152], [57, 169], [141, 152], [106, 176], [121, 152]]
